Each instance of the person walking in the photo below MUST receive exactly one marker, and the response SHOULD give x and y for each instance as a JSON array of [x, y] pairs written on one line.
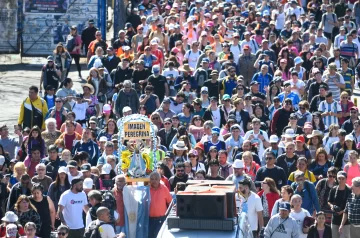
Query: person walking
[[72, 202], [281, 224], [73, 45]]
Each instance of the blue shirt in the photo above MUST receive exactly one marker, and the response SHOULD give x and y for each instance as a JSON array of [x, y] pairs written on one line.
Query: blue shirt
[[293, 96], [89, 147], [228, 85], [263, 80]]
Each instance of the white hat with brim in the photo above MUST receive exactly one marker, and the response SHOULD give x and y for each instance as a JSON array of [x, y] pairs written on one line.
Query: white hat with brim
[[315, 133], [238, 164], [180, 145], [10, 217], [90, 87], [289, 133]]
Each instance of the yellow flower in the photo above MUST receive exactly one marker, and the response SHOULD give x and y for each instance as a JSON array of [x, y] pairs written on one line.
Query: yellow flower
[[125, 157]]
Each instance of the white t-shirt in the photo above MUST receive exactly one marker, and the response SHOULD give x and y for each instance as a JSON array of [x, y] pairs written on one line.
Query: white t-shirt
[[298, 84], [256, 140], [88, 219], [192, 57], [79, 109], [73, 206], [80, 174], [216, 117], [299, 218], [251, 206], [280, 21]]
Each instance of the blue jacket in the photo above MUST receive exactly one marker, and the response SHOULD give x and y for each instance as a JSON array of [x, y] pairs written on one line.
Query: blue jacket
[[310, 200], [263, 80], [90, 147]]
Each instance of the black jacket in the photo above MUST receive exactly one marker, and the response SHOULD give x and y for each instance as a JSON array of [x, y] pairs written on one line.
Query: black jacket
[[110, 64], [281, 162], [15, 193], [313, 233], [162, 134], [245, 118], [119, 75], [52, 167], [174, 180], [338, 161], [88, 35], [208, 116]]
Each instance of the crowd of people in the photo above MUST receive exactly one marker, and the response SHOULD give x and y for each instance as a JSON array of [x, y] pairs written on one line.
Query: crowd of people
[[256, 92]]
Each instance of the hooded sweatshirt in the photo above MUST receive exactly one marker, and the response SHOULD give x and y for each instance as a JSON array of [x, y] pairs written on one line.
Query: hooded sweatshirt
[[281, 228]]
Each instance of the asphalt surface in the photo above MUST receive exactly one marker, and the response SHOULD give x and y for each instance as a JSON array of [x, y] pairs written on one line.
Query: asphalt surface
[[16, 78]]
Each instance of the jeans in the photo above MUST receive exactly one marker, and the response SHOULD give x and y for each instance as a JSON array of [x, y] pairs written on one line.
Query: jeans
[[335, 231], [155, 224], [76, 58]]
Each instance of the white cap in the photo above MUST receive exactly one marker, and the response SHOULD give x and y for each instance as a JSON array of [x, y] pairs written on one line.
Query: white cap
[[274, 139], [2, 160], [126, 109], [62, 169], [204, 89], [349, 137], [238, 164], [88, 183], [106, 169], [106, 108], [103, 139]]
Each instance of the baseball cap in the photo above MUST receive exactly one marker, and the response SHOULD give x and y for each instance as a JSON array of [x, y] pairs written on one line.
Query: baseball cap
[[76, 180], [204, 89], [354, 108], [86, 167], [274, 139], [194, 152], [341, 174], [88, 183], [284, 206], [103, 139], [226, 97], [72, 164], [300, 138], [215, 130]]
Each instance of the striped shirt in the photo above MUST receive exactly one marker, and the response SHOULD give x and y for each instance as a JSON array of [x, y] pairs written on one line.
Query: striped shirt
[[348, 50], [332, 107], [332, 86], [348, 76]]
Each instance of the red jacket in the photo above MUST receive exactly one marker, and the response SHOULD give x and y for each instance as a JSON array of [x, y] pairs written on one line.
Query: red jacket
[[165, 181], [271, 199]]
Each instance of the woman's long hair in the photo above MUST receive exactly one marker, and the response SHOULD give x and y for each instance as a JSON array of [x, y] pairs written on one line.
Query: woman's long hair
[[272, 185], [19, 200], [116, 130], [57, 182]]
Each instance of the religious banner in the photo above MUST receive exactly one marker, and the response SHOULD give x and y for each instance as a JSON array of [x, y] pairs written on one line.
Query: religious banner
[[137, 130]]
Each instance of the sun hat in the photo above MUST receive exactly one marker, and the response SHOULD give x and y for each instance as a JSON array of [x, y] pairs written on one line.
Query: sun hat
[[11, 230], [289, 133], [316, 133], [298, 60], [238, 164], [88, 86], [10, 217], [185, 68], [180, 145]]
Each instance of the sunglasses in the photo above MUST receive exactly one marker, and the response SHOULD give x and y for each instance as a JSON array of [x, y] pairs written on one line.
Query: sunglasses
[[192, 156], [288, 103], [240, 88], [61, 233], [155, 118], [302, 108], [197, 119], [180, 170], [268, 158], [58, 101]]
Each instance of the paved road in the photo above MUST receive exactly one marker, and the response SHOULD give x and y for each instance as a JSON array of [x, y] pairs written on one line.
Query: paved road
[[15, 80]]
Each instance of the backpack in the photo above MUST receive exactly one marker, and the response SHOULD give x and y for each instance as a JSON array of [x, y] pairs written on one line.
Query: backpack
[[333, 15], [108, 200], [70, 43], [93, 230]]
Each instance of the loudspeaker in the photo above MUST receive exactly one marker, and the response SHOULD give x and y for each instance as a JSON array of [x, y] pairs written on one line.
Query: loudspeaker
[[209, 205], [230, 199]]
